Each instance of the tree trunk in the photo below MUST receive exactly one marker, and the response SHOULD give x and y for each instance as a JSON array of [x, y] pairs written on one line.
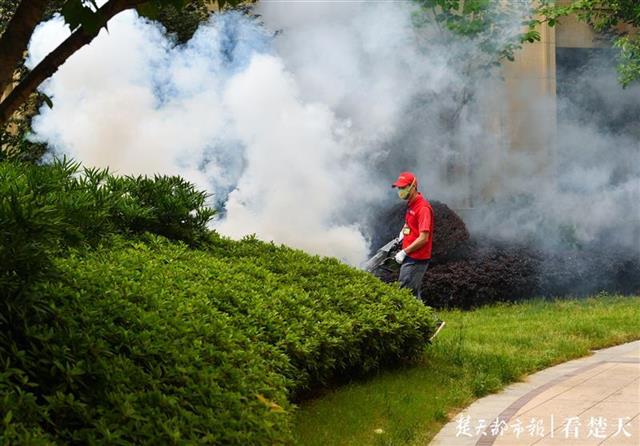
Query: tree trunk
[[15, 39], [50, 64]]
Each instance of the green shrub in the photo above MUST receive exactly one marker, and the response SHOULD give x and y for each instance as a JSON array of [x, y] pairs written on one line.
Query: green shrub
[[328, 318], [158, 343], [149, 341], [45, 209], [48, 207]]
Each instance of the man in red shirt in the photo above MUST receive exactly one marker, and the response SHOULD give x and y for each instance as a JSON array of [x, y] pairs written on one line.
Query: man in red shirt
[[416, 235]]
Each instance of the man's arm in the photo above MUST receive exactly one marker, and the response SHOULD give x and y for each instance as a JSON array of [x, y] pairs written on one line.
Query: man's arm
[[418, 243]]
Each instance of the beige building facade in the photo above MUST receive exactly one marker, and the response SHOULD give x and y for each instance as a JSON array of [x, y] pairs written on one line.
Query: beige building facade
[[527, 115], [531, 84]]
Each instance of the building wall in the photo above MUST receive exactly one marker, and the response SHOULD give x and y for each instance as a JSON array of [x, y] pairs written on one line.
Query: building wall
[[528, 118], [530, 97]]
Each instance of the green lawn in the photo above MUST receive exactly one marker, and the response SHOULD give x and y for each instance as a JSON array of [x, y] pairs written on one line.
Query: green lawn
[[477, 353]]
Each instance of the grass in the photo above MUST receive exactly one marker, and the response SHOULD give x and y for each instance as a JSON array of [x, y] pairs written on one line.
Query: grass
[[478, 352]]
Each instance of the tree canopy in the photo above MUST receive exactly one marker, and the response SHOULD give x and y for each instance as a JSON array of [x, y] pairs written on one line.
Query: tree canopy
[[490, 22]]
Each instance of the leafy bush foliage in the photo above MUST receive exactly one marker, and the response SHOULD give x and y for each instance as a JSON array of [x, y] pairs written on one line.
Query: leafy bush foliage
[[153, 342], [127, 361], [123, 320], [328, 318], [467, 272], [47, 208]]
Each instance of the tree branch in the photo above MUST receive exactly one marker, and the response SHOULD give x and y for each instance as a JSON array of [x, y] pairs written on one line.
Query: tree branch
[[50, 64], [14, 41]]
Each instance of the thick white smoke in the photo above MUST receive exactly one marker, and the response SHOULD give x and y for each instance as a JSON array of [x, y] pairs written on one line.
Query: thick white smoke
[[299, 133], [221, 111], [286, 132]]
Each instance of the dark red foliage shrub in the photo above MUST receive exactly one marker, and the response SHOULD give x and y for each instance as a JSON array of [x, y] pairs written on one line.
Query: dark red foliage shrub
[[466, 272], [451, 232]]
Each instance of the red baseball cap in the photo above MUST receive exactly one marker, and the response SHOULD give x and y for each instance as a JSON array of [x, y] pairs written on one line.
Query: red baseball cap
[[405, 179]]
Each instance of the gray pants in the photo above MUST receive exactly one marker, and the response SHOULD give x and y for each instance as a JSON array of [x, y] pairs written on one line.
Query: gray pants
[[411, 274]]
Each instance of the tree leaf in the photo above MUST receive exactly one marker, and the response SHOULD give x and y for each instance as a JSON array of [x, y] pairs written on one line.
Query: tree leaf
[[72, 12], [47, 100], [77, 14], [178, 4], [149, 10]]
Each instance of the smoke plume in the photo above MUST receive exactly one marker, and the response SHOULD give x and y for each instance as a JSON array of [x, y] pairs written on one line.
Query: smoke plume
[[297, 122]]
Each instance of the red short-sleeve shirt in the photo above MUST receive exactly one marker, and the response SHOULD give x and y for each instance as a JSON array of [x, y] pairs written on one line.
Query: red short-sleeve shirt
[[418, 218]]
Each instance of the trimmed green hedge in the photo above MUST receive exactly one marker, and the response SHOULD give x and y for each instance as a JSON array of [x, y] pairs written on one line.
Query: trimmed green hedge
[[153, 342], [111, 333], [327, 317], [44, 209]]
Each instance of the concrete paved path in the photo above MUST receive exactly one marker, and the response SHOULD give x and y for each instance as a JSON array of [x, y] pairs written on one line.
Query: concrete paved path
[[588, 401]]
